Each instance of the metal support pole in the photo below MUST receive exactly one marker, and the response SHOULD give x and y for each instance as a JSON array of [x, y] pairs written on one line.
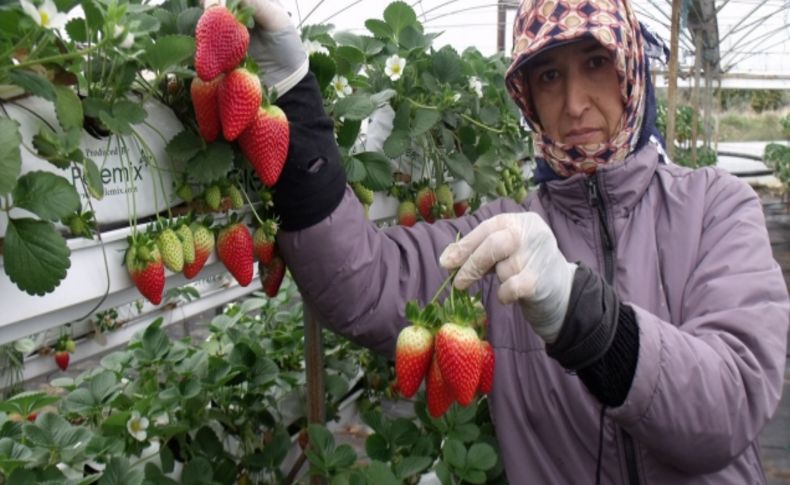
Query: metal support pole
[[314, 373], [673, 78], [501, 18]]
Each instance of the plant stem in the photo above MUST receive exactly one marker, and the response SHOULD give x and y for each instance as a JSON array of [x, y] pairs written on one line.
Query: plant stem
[[420, 105], [55, 58], [252, 207], [444, 285], [480, 125]]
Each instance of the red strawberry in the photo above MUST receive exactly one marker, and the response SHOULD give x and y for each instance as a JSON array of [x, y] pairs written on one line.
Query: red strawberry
[[413, 352], [263, 241], [240, 98], [437, 393], [265, 143], [33, 415], [425, 201], [272, 275], [62, 359], [460, 359], [460, 208], [221, 42], [204, 244], [407, 213], [145, 267], [204, 100], [487, 368], [234, 247]]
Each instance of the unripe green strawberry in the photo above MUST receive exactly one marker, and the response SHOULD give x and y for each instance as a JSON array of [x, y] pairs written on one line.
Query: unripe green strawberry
[[234, 247], [444, 196], [413, 353], [460, 360], [213, 197], [171, 249], [425, 202], [70, 346], [186, 237], [501, 190], [364, 194], [144, 264], [407, 213], [487, 368], [236, 198], [184, 192], [520, 194], [438, 395], [204, 245]]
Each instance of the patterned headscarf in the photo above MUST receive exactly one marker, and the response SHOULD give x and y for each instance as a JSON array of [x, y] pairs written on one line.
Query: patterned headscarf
[[542, 24]]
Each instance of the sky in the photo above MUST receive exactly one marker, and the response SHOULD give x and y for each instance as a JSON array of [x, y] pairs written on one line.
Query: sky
[[759, 44]]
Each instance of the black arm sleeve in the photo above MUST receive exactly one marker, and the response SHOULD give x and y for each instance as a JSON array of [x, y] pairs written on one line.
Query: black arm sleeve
[[599, 339], [313, 180]]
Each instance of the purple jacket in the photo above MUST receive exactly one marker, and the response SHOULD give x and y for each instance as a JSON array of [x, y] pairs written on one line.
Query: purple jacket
[[692, 257]]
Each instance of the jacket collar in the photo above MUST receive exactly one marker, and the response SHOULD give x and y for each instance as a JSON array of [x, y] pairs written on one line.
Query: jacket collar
[[620, 186]]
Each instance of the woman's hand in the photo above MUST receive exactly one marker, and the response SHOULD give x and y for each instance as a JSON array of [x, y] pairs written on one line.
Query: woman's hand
[[532, 270]]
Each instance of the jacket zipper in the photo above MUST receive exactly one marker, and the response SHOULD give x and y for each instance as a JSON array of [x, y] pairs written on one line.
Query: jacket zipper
[[608, 259]]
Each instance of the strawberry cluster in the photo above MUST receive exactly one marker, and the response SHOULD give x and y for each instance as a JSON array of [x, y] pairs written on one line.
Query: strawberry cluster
[[64, 347], [228, 97], [442, 347], [422, 201]]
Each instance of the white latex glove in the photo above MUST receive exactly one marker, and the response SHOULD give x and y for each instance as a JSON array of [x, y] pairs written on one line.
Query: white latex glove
[[275, 45], [528, 263]]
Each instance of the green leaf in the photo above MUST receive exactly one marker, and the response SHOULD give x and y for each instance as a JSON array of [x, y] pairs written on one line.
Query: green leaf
[[380, 474], [79, 401], [412, 39], [104, 386], [355, 169], [10, 157], [36, 255], [185, 145], [378, 169], [128, 112], [196, 471], [461, 167], [396, 144], [206, 442], [377, 448], [380, 98], [277, 449], [187, 20], [481, 456], [68, 108], [52, 431], [474, 476], [324, 68], [343, 457], [424, 120], [13, 454], [348, 59], [466, 432], [454, 453], [93, 15], [379, 29], [446, 64], [155, 476], [118, 472], [490, 115], [93, 179], [399, 15], [77, 30], [348, 133], [155, 342], [212, 163], [321, 439], [354, 107], [443, 473], [412, 465], [33, 83], [49, 196], [169, 51], [402, 119]]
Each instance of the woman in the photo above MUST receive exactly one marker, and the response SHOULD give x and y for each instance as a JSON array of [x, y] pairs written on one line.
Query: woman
[[638, 317]]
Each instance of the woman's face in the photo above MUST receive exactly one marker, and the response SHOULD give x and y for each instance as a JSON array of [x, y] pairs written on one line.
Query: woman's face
[[576, 93]]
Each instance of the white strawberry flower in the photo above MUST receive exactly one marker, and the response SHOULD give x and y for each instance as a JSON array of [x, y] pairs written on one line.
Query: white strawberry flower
[[476, 85], [340, 83], [45, 15], [394, 67], [314, 47], [137, 426], [456, 97], [128, 37]]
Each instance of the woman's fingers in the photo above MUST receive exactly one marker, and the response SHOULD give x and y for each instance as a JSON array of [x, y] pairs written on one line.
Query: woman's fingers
[[495, 247]]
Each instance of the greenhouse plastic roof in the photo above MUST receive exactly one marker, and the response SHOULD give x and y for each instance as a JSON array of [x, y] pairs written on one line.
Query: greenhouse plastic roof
[[742, 37]]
